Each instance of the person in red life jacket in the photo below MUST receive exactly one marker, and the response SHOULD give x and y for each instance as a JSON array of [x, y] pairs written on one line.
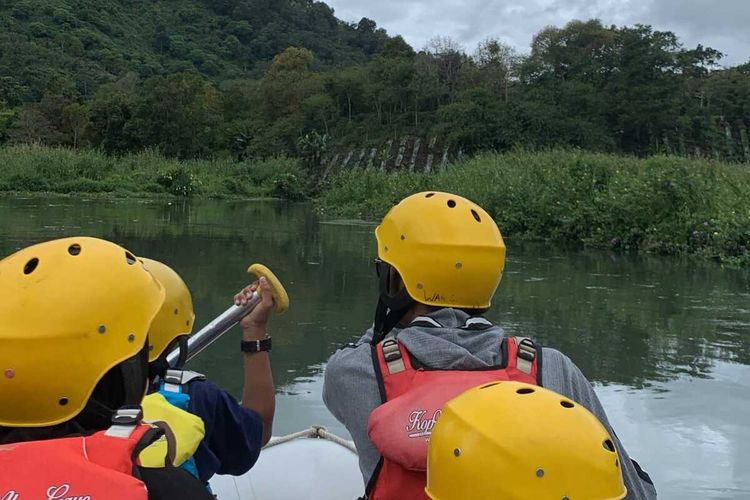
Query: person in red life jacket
[[440, 260], [74, 318], [232, 433]]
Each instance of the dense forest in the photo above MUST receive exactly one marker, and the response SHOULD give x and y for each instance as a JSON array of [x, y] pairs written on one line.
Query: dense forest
[[261, 78]]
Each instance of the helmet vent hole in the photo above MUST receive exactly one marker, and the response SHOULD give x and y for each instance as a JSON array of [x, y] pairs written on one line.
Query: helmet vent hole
[[403, 237], [609, 445], [187, 323], [489, 385], [476, 215], [176, 311], [566, 404], [74, 249], [525, 390], [63, 401], [30, 266], [429, 195], [130, 258], [451, 204]]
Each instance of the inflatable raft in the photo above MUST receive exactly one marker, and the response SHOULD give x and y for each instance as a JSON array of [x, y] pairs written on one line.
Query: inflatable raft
[[312, 464]]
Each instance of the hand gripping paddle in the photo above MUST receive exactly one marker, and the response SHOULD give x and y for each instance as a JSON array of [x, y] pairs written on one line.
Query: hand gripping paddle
[[226, 320]]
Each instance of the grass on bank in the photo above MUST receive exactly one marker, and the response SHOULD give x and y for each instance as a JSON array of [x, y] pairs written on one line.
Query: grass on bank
[[666, 205], [34, 168], [662, 204]]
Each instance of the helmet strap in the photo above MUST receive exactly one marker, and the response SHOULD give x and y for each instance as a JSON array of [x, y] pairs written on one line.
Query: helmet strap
[[391, 307], [158, 367], [182, 358], [135, 372], [387, 317]]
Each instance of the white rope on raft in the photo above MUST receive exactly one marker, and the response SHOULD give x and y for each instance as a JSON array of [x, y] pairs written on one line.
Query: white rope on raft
[[315, 432]]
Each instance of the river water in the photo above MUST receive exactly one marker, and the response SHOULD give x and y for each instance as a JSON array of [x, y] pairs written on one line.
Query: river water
[[666, 342]]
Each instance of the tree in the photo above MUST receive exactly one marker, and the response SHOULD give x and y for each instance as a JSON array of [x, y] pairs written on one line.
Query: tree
[[288, 82], [496, 62], [75, 120], [111, 113], [450, 59], [347, 87], [178, 113]]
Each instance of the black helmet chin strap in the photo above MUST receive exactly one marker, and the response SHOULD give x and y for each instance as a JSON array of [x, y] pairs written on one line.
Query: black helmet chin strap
[[389, 312], [158, 367], [124, 384], [393, 303]]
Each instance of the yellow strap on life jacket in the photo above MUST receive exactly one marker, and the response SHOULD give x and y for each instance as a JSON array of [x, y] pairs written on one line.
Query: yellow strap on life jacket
[[187, 428]]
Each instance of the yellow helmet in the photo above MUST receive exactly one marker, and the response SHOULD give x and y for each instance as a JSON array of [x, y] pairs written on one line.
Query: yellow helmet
[[447, 250], [71, 310], [176, 316], [511, 440]]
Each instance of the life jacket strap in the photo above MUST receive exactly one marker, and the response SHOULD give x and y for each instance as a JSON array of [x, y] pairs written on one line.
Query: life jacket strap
[[392, 355], [525, 354], [125, 421], [476, 323], [175, 380], [425, 322]]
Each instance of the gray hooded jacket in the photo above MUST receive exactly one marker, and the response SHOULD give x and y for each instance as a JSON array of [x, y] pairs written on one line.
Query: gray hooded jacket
[[350, 389]]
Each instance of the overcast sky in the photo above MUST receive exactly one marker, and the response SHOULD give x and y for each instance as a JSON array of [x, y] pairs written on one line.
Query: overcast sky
[[721, 24]]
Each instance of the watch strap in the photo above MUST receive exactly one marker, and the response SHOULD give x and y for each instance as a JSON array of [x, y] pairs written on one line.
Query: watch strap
[[256, 345]]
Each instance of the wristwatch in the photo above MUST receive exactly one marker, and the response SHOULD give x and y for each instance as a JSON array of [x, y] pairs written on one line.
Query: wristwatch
[[256, 345]]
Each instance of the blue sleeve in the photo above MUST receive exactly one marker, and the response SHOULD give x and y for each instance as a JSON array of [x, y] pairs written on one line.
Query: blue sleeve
[[233, 433]]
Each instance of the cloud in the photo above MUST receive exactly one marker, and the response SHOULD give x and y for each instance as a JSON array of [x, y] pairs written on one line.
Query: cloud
[[721, 24]]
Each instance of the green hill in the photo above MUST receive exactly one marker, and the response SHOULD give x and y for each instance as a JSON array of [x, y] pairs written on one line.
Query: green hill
[[74, 46], [261, 78]]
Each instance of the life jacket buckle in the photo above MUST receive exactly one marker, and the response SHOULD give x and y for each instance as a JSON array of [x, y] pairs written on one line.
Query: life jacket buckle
[[128, 415], [391, 351], [527, 350]]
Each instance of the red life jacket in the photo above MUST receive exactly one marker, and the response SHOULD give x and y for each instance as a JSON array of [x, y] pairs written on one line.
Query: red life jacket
[[96, 467], [413, 399]]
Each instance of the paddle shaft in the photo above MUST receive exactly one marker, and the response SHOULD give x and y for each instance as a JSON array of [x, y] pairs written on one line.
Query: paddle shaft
[[215, 329]]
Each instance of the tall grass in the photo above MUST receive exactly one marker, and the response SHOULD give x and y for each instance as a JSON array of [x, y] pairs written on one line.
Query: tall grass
[[662, 204], [33, 168]]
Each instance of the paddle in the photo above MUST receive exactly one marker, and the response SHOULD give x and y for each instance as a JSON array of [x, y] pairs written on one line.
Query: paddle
[[226, 320]]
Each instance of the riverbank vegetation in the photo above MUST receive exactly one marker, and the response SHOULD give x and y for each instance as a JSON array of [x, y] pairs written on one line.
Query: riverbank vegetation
[[35, 168], [662, 204]]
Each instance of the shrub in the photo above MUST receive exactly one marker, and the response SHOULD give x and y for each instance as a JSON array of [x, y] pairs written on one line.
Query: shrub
[[178, 181]]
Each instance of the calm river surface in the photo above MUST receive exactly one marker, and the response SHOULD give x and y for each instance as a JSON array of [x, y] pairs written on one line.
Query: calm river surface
[[666, 342]]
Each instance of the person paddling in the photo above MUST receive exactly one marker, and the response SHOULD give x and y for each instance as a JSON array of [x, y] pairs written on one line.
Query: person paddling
[[74, 318], [224, 435], [440, 260]]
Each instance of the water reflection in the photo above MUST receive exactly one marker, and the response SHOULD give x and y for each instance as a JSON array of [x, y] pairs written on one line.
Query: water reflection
[[679, 330], [693, 437]]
